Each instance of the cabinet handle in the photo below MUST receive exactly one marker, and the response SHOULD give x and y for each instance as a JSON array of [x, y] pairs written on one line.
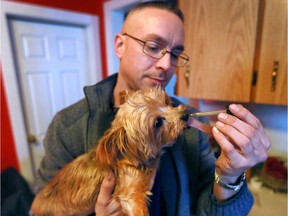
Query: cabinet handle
[[187, 75], [274, 76]]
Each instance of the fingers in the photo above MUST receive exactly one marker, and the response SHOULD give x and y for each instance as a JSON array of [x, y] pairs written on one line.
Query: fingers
[[230, 157], [250, 125], [241, 138], [240, 134], [105, 204]]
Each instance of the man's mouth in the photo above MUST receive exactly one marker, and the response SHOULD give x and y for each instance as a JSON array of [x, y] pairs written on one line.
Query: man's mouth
[[157, 80]]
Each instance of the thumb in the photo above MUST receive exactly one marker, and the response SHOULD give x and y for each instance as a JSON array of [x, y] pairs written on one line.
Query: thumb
[[107, 188], [105, 204]]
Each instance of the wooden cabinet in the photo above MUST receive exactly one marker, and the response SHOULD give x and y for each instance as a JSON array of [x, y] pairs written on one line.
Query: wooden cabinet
[[227, 41], [271, 55]]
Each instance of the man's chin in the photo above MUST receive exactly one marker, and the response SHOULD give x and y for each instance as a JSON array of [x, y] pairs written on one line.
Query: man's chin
[[152, 85]]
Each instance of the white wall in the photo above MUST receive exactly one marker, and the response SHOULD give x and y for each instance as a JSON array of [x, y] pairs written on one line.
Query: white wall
[[274, 120]]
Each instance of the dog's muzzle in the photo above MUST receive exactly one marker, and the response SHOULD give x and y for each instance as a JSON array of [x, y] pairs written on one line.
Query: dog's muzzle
[[185, 116]]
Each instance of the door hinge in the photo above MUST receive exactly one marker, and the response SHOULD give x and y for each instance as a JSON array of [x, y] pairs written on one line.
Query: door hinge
[[254, 77]]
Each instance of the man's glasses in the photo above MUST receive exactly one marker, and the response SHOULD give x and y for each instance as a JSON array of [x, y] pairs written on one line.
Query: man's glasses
[[157, 51]]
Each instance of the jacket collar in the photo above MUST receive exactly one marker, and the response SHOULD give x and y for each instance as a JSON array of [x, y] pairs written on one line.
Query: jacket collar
[[100, 96]]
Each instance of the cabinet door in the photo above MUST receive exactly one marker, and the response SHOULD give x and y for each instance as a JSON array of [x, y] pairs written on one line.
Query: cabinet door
[[220, 41], [271, 56]]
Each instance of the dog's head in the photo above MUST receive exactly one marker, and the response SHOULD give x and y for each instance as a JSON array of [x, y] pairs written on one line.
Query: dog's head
[[143, 125]]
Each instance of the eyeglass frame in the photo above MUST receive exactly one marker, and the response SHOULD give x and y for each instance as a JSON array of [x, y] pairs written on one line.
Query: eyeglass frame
[[183, 56]]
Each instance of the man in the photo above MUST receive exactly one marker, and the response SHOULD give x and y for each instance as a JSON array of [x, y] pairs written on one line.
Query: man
[[150, 47]]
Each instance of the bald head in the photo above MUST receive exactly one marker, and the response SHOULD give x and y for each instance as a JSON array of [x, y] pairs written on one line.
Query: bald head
[[159, 5], [135, 14]]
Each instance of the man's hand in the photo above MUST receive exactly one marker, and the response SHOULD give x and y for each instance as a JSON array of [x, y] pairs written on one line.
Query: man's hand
[[243, 143], [105, 204]]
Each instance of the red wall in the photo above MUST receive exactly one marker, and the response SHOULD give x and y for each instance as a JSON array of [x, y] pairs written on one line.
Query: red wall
[[8, 152], [93, 7]]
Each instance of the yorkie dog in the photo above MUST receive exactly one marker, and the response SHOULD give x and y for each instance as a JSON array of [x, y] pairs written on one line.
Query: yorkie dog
[[131, 149]]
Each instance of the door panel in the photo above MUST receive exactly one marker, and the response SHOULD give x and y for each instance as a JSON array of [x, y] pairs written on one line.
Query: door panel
[[52, 70], [271, 57]]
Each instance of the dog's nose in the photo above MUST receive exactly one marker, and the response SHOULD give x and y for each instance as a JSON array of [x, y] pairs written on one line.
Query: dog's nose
[[185, 116]]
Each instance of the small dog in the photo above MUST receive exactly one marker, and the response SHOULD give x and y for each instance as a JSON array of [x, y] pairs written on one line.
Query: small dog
[[131, 148]]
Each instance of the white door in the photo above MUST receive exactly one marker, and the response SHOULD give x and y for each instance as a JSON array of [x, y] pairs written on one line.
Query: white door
[[52, 70], [11, 76]]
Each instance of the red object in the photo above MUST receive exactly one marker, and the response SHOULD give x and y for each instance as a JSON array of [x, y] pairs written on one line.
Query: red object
[[8, 152], [275, 167]]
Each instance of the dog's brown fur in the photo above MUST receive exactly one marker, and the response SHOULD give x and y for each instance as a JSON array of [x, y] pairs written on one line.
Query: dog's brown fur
[[131, 148]]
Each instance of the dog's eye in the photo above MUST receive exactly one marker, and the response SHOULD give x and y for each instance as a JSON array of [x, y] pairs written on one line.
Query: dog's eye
[[158, 123]]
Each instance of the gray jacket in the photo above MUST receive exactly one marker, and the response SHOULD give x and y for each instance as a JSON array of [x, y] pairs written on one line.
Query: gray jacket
[[186, 174]]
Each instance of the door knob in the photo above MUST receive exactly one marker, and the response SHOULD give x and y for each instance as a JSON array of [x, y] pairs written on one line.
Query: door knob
[[32, 139]]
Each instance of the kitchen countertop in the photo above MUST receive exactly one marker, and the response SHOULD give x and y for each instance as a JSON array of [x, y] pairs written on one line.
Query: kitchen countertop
[[267, 202]]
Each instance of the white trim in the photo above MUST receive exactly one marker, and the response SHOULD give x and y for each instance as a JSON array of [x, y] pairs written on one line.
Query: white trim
[[114, 12], [91, 23]]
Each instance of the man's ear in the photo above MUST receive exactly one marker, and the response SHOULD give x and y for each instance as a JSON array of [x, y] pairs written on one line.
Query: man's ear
[[119, 45]]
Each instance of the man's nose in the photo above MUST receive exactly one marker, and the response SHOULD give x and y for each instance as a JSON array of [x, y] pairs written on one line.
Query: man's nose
[[164, 62]]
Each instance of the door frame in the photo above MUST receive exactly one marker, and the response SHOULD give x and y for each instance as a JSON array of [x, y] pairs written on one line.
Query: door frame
[[114, 12], [9, 74]]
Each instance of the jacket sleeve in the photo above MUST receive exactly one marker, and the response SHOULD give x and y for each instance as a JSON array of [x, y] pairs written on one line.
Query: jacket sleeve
[[239, 205]]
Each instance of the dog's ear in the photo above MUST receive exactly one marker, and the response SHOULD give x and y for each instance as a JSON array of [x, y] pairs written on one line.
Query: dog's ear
[[123, 95], [107, 150]]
